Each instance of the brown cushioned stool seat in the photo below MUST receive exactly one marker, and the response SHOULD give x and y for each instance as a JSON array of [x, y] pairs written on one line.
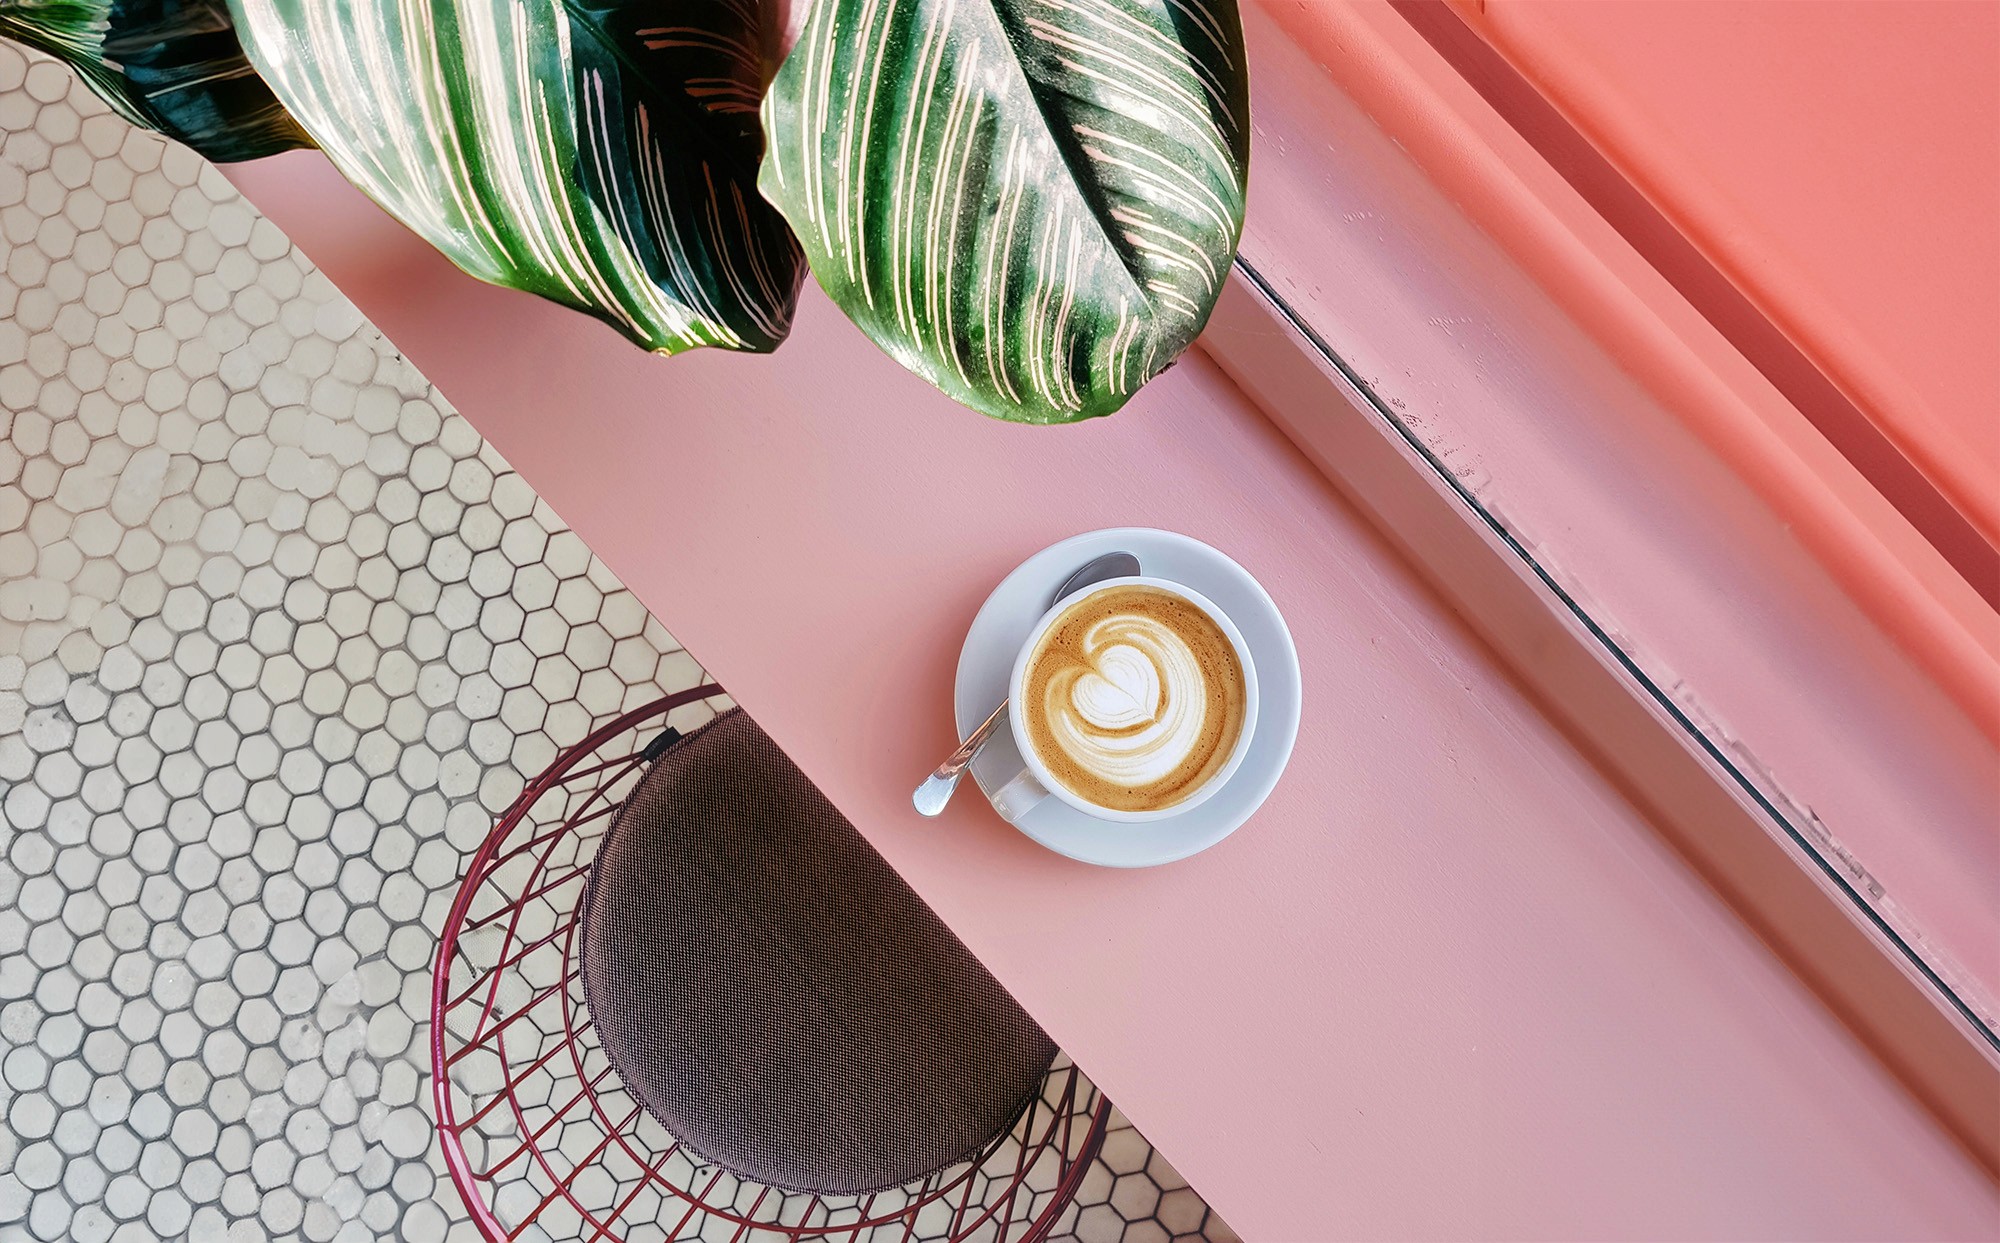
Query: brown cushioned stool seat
[[776, 996]]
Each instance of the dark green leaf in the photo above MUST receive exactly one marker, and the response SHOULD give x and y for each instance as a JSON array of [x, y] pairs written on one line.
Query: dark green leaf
[[169, 65], [1031, 203], [603, 155]]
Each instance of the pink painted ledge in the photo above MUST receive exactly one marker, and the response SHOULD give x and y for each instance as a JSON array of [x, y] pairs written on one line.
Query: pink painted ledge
[[1447, 983]]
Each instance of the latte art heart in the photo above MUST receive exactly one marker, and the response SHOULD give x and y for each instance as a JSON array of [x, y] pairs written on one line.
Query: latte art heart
[[1134, 698], [1132, 712], [1121, 690]]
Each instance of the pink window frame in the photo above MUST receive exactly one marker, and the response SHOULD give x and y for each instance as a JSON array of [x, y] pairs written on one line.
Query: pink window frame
[[1494, 540]]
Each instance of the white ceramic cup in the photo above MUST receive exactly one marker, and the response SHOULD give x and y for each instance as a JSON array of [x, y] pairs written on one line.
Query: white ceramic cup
[[1034, 782]]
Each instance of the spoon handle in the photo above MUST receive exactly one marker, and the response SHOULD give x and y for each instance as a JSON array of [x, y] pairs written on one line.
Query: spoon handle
[[937, 788]]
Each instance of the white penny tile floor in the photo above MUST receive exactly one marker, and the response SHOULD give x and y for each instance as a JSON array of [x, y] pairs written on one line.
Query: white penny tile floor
[[279, 634]]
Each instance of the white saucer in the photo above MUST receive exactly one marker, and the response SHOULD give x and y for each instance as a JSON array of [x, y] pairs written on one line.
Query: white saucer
[[1023, 596]]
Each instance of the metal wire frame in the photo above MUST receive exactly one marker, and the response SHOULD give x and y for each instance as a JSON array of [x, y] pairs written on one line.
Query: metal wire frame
[[544, 1142]]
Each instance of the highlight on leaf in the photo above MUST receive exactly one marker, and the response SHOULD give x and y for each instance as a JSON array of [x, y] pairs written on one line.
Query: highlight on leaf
[[1031, 203], [599, 154]]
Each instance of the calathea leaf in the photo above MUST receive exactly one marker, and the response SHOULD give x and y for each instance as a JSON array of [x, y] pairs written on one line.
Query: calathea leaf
[[1031, 203], [602, 154], [168, 65]]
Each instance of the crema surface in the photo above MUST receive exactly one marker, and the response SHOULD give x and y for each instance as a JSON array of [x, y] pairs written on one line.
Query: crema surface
[[1134, 699]]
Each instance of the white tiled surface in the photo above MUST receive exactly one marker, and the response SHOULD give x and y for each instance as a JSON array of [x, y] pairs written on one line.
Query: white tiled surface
[[278, 635]]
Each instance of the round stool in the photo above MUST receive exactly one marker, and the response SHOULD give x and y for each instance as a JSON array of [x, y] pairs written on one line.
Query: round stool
[[678, 996]]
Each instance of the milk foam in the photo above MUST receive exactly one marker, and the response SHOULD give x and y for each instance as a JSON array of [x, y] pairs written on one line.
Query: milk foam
[[1134, 698], [1134, 713]]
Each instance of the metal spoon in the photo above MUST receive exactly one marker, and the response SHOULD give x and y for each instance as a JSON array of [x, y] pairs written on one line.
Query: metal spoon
[[937, 788]]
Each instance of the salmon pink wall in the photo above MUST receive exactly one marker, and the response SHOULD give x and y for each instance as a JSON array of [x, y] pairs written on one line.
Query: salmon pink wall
[[1497, 180], [1839, 160]]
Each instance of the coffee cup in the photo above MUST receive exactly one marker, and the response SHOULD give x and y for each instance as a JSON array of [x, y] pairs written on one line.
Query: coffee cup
[[1131, 700]]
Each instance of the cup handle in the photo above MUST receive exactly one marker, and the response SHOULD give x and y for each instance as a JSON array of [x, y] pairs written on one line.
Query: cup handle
[[1019, 797]]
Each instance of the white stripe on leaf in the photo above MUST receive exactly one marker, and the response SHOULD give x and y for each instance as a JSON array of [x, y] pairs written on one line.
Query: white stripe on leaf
[[476, 124], [1031, 203]]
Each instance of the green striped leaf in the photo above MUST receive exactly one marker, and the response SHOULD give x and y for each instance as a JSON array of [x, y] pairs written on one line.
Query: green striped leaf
[[602, 155], [1031, 203], [168, 65]]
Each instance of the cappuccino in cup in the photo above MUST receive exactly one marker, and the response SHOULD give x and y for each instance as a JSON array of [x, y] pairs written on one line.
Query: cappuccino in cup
[[1134, 698]]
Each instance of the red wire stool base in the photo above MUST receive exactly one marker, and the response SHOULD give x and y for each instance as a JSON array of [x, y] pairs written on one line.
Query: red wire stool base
[[544, 1142]]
